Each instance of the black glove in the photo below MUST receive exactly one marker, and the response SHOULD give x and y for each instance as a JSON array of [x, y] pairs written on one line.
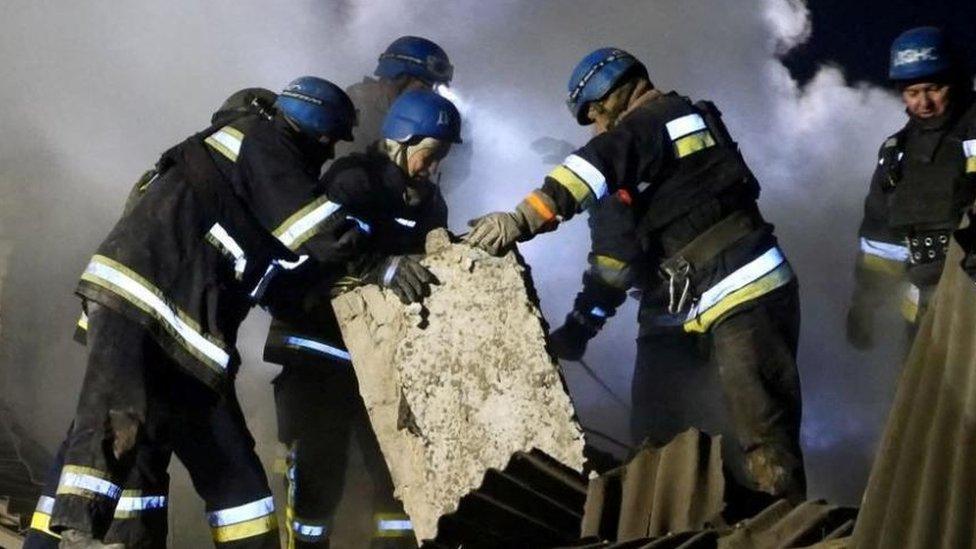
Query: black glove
[[406, 277], [569, 340], [860, 328], [342, 238]]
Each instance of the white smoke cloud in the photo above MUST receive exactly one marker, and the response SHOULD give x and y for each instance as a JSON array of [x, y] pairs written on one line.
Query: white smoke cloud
[[95, 90]]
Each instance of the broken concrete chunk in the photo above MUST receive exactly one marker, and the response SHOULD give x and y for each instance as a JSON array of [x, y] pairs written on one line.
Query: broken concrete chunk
[[461, 392]]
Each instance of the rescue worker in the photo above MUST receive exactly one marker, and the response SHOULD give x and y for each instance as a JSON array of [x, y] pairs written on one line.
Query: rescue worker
[[693, 220], [140, 518], [226, 210], [923, 182], [304, 345], [389, 188]]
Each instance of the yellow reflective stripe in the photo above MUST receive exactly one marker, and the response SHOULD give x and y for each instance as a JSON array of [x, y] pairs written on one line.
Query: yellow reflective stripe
[[42, 523], [693, 143], [246, 529], [126, 283], [776, 278], [227, 141], [971, 165], [609, 262], [305, 223], [83, 321], [910, 303], [573, 183], [879, 264]]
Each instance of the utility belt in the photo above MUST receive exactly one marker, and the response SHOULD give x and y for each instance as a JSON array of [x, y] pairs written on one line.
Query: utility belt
[[680, 270], [928, 246]]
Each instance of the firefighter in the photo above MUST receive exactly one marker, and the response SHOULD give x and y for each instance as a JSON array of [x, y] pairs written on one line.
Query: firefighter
[[225, 211], [923, 182], [409, 63], [712, 265], [140, 520], [389, 189]]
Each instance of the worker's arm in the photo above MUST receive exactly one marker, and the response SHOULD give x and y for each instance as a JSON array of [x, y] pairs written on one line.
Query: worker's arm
[[629, 153]]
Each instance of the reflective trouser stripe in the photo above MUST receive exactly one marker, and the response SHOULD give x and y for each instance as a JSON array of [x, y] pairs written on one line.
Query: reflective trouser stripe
[[86, 482], [122, 281], [41, 520], [318, 347], [393, 526], [309, 531], [244, 521], [755, 279], [133, 504]]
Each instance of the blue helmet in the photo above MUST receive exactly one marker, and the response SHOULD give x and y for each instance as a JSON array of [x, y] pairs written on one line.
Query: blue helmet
[[319, 107], [919, 53], [594, 77], [415, 56], [422, 113]]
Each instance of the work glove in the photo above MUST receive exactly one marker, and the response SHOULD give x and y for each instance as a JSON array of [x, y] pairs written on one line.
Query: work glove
[[341, 239], [860, 328], [405, 277], [569, 341], [496, 232]]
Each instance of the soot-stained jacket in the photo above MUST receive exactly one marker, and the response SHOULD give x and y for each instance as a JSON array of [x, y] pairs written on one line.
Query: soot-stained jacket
[[924, 180], [228, 208], [371, 188], [682, 216]]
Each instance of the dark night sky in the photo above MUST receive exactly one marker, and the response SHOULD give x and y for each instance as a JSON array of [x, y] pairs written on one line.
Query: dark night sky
[[856, 34]]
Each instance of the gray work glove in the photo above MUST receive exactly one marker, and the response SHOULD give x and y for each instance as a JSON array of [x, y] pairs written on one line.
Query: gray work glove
[[406, 277], [497, 232]]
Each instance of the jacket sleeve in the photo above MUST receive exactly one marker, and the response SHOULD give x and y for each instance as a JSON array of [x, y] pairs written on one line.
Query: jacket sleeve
[[622, 157], [881, 256], [285, 194]]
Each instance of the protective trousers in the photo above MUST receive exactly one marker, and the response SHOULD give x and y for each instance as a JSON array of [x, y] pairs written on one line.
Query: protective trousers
[[319, 412], [206, 431], [754, 348], [139, 520]]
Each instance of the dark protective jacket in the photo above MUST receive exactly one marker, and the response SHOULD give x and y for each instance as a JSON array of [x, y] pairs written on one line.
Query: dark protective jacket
[[923, 182], [229, 207], [370, 187], [693, 214]]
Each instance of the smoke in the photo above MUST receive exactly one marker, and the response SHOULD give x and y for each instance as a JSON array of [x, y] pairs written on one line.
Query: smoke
[[95, 90]]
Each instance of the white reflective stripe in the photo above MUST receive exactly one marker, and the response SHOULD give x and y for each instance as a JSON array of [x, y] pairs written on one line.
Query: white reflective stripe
[[394, 525], [598, 312], [685, 125], [742, 276], [45, 504], [153, 301], [884, 250], [307, 222], [363, 226], [317, 346], [969, 148], [405, 222], [391, 270], [913, 294], [228, 242], [248, 511], [140, 503], [90, 484], [228, 140], [593, 177], [308, 530]]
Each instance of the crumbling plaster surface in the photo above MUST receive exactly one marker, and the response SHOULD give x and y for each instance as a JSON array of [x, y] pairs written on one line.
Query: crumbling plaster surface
[[456, 386]]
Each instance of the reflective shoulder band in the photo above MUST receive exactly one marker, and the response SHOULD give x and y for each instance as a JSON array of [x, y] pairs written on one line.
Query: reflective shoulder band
[[227, 141], [124, 282], [685, 125], [304, 223], [86, 482], [884, 250], [244, 521]]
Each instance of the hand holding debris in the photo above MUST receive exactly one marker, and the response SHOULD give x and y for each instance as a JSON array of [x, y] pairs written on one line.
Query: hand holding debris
[[406, 277], [495, 233]]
